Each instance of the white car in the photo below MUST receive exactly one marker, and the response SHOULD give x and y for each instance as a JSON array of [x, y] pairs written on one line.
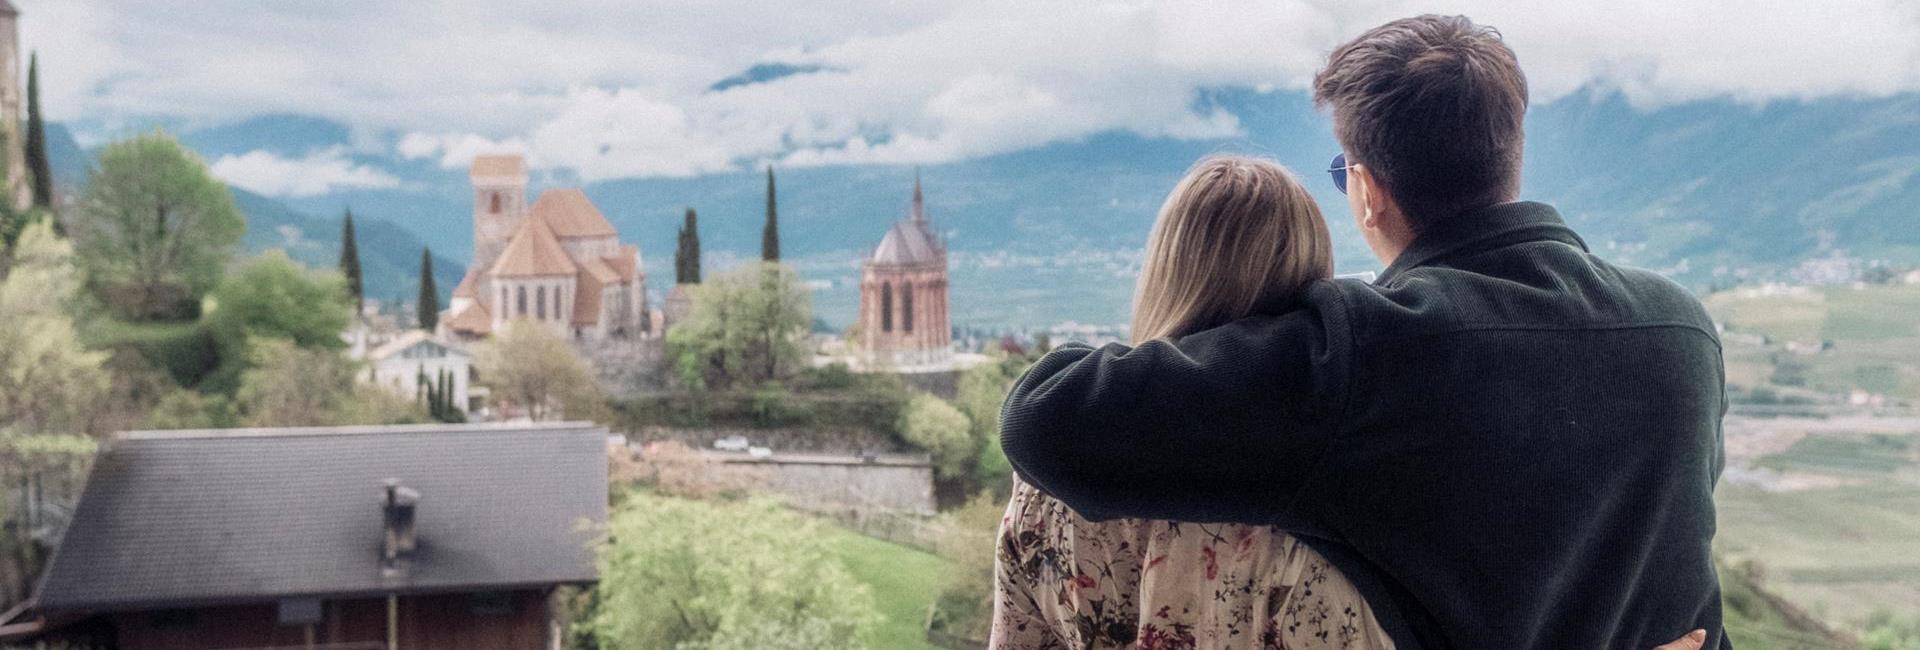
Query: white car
[[732, 443]]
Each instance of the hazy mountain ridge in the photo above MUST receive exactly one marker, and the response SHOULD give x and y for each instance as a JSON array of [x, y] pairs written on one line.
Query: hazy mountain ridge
[[1702, 191], [389, 253]]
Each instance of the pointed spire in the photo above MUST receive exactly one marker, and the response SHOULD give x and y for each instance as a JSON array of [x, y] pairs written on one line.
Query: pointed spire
[[919, 204]]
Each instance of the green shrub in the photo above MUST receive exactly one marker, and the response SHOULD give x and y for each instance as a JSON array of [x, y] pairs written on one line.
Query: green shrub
[[186, 351], [932, 424], [864, 410], [186, 409]]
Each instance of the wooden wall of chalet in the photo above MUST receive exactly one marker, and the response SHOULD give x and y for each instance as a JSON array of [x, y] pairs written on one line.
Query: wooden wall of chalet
[[429, 622]]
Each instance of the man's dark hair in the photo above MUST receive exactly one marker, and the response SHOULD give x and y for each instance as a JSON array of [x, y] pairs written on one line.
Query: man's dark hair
[[1432, 106]]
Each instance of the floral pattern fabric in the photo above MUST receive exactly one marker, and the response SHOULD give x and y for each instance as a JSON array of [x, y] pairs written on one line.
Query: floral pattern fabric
[[1064, 583]]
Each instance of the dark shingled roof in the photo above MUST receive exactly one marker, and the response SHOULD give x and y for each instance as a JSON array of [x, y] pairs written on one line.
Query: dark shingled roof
[[176, 518]]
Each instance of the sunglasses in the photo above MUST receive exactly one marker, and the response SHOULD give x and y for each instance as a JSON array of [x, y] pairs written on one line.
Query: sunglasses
[[1339, 169]]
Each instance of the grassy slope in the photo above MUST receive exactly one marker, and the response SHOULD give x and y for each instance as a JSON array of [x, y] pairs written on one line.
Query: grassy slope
[[1759, 620], [904, 582], [1876, 338], [1840, 552]]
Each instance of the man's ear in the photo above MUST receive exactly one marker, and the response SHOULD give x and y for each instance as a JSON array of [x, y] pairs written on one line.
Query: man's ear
[[1376, 202], [1361, 182]]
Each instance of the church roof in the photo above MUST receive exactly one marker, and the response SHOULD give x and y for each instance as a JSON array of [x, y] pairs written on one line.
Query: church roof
[[596, 269], [474, 319], [907, 243], [626, 264], [533, 251], [586, 298], [568, 212], [497, 165], [911, 241], [465, 289]]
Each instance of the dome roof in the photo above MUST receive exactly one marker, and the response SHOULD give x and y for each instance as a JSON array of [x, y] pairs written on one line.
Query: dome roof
[[908, 242], [911, 241]]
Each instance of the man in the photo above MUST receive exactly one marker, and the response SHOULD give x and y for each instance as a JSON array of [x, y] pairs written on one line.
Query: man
[[1505, 441]]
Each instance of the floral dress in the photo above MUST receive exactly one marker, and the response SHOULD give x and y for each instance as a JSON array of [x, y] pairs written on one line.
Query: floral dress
[[1064, 583]]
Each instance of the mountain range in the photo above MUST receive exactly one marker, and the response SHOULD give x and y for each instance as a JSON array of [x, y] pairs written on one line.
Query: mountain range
[[1710, 192]]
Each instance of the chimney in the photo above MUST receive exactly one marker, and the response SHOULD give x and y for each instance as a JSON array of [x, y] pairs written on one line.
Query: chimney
[[398, 504]]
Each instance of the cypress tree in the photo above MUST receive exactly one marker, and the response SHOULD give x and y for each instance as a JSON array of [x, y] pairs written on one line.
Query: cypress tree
[[429, 301], [680, 254], [350, 263], [436, 402], [37, 164], [686, 259], [770, 238], [446, 395]]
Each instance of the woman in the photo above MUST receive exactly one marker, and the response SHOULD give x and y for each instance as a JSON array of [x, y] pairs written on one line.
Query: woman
[[1236, 236]]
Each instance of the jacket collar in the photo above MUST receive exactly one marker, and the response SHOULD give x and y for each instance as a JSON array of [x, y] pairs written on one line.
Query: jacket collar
[[1481, 229]]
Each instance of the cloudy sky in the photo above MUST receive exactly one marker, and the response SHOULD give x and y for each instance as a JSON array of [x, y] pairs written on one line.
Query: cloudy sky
[[605, 92]]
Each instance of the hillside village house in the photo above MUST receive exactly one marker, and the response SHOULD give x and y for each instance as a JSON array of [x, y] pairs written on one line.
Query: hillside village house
[[558, 263], [401, 364], [442, 536]]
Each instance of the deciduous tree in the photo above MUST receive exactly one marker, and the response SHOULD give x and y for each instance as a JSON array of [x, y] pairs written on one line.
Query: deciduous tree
[[983, 389], [932, 424], [155, 228], [724, 575], [289, 386], [273, 296], [48, 381], [746, 326], [286, 385], [532, 368]]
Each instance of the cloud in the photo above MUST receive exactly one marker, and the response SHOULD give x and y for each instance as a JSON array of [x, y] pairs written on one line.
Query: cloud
[[455, 150], [644, 91], [319, 172]]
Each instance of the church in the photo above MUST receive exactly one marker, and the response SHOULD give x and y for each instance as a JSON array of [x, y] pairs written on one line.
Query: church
[[903, 324], [558, 263]]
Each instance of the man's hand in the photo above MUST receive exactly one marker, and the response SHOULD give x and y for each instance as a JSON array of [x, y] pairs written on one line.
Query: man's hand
[[1692, 641]]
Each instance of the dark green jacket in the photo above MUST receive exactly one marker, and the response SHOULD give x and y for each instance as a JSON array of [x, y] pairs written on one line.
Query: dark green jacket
[[1506, 442]]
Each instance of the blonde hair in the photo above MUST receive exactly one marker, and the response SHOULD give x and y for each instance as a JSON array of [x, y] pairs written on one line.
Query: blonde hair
[[1235, 234]]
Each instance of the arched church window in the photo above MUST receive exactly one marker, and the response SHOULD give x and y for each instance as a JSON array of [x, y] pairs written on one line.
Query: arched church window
[[906, 306], [520, 298], [496, 203], [540, 302], [886, 306]]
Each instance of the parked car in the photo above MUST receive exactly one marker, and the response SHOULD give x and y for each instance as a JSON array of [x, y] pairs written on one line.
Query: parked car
[[732, 443]]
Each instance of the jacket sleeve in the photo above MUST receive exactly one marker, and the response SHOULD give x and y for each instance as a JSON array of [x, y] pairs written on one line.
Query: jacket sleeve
[[1222, 425]]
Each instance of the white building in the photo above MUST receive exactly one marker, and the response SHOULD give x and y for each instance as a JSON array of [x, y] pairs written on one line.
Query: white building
[[399, 364]]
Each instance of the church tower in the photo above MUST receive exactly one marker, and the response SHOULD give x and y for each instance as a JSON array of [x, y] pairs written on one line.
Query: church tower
[[903, 323], [499, 204], [11, 117]]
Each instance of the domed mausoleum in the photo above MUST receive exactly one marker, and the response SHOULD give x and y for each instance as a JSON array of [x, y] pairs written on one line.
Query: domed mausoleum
[[904, 324]]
